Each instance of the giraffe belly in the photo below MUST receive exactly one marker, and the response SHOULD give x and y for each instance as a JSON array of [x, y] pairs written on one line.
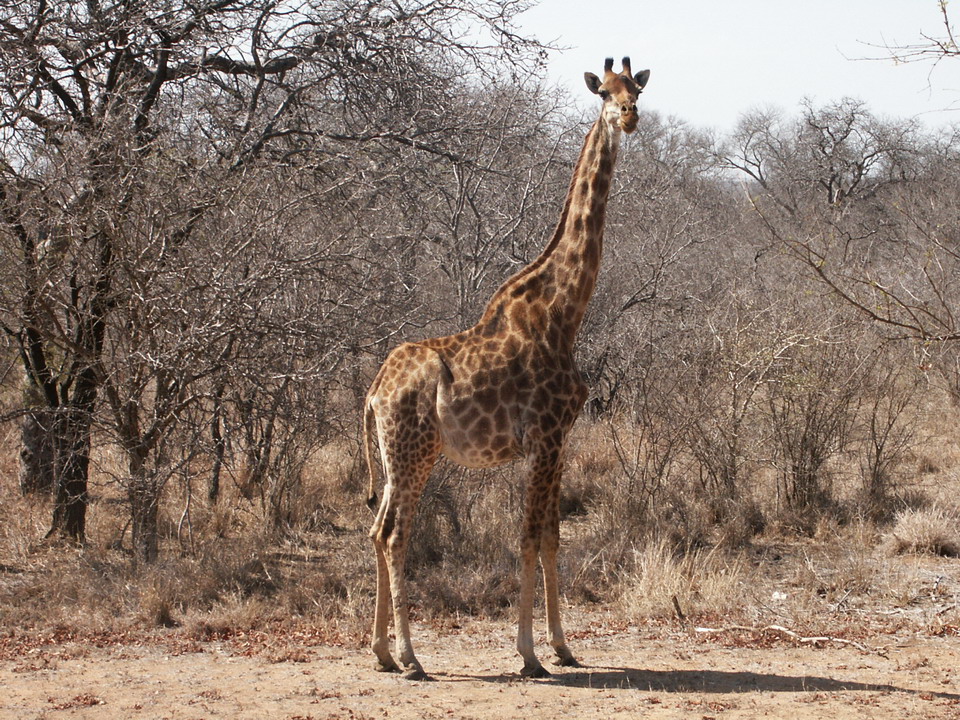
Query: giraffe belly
[[472, 456], [476, 439]]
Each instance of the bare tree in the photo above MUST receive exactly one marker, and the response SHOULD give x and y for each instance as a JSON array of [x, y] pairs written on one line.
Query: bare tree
[[898, 262], [100, 101], [880, 241], [487, 217], [889, 426], [838, 153], [813, 404], [930, 48], [745, 348]]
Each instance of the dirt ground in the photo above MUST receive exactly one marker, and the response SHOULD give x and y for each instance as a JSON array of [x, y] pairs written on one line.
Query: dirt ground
[[655, 672]]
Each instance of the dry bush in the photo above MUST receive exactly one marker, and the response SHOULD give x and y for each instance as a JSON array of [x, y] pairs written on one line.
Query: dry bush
[[229, 571], [624, 540], [934, 530], [623, 472], [641, 494], [703, 582], [463, 548], [232, 586], [591, 465], [839, 564], [888, 430], [827, 580], [812, 408], [331, 491], [97, 587]]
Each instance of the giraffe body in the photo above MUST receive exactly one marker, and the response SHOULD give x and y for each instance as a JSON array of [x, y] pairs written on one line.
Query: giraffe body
[[504, 389]]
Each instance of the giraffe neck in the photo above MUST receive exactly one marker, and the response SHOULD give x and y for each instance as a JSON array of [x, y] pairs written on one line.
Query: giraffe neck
[[552, 292], [574, 260]]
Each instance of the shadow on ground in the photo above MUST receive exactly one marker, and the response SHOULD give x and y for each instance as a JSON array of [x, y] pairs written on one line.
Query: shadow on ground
[[701, 681]]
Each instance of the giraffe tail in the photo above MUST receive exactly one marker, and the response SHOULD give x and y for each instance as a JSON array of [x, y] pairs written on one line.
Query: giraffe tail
[[369, 431]]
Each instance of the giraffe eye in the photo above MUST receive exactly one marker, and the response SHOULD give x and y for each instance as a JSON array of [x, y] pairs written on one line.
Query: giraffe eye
[[604, 94]]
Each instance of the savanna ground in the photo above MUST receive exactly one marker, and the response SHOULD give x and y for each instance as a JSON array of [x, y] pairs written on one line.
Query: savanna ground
[[854, 618], [646, 670], [204, 266]]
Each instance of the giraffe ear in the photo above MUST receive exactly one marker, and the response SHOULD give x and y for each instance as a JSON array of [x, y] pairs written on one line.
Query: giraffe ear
[[641, 78], [593, 82]]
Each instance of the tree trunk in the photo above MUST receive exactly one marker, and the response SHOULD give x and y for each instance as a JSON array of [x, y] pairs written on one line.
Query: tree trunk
[[36, 449], [75, 415], [71, 436], [144, 505], [144, 496], [219, 445]]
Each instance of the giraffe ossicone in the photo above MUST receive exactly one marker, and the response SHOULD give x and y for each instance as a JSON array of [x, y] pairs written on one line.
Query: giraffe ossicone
[[504, 389]]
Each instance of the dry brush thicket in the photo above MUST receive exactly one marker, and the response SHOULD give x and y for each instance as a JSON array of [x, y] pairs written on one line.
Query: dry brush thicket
[[208, 245]]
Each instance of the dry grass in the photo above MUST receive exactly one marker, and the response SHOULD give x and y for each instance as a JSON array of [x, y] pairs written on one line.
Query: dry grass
[[700, 582], [932, 530], [629, 550], [222, 572]]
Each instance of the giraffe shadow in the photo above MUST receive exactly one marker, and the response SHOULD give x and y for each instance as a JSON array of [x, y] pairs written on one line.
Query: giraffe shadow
[[702, 681]]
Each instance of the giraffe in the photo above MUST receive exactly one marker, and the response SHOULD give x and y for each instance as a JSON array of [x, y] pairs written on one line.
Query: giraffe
[[504, 389]]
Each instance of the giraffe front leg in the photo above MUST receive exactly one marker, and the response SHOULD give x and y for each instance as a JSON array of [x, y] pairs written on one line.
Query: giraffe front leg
[[551, 591], [528, 577], [542, 475], [530, 545]]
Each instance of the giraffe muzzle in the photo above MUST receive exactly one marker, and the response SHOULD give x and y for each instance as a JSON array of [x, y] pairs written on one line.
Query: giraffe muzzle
[[628, 117]]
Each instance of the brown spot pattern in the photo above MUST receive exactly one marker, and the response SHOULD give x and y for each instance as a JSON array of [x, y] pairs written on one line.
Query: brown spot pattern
[[506, 388]]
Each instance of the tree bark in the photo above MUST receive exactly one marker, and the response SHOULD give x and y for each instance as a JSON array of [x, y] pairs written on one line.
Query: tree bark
[[71, 437], [219, 445], [144, 496], [144, 505], [37, 454]]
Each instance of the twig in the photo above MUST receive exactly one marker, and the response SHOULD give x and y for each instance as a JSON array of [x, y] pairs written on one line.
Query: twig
[[837, 607], [185, 518], [945, 610], [794, 636], [680, 616]]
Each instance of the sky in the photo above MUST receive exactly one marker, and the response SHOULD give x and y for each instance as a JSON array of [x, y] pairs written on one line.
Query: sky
[[713, 60]]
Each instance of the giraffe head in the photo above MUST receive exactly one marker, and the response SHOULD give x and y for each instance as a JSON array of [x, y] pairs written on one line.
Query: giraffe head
[[619, 92]]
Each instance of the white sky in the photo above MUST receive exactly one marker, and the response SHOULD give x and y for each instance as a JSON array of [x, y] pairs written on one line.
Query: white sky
[[712, 60]]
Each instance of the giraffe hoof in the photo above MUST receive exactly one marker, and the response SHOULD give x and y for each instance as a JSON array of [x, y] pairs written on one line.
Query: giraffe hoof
[[414, 672], [567, 661], [534, 671], [390, 666]]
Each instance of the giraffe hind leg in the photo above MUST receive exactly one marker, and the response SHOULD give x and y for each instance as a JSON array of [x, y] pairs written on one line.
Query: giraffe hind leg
[[390, 534], [380, 643], [394, 547], [403, 408]]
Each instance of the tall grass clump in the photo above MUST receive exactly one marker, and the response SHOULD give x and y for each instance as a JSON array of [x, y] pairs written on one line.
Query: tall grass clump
[[700, 582], [934, 530]]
